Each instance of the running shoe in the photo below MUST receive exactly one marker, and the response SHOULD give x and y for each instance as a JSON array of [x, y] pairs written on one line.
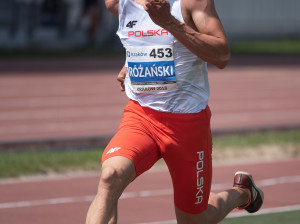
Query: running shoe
[[245, 180]]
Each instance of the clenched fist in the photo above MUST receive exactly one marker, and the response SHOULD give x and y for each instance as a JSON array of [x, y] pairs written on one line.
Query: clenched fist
[[159, 12]]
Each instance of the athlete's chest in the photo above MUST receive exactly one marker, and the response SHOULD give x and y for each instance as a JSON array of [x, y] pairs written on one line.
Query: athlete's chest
[[136, 25]]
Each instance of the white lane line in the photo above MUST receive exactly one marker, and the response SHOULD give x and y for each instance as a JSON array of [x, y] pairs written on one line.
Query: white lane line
[[52, 201], [280, 180], [263, 183], [67, 200], [143, 194], [243, 213], [138, 194]]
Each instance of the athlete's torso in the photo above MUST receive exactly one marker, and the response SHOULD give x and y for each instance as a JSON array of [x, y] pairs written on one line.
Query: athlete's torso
[[162, 74]]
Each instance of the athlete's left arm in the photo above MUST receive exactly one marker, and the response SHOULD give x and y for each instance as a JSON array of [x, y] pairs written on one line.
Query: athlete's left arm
[[121, 78], [202, 33]]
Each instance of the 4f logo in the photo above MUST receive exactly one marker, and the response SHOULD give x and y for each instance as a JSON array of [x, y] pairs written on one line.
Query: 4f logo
[[131, 24]]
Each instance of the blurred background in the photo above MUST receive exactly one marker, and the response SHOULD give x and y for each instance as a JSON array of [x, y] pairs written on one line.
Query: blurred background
[[60, 104], [55, 24], [76, 24]]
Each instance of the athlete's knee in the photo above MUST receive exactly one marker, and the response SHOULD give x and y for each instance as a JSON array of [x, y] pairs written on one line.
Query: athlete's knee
[[112, 180], [109, 177], [215, 201]]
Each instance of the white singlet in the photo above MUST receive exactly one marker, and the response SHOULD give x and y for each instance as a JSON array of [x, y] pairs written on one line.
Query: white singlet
[[162, 74]]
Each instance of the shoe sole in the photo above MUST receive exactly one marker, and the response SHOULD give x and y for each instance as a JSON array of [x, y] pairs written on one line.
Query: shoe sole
[[255, 186]]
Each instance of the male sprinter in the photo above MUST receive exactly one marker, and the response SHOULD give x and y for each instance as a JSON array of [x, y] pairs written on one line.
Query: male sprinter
[[168, 43]]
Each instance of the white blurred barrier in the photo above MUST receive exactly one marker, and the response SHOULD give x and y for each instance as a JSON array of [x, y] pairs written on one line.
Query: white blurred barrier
[[22, 23], [259, 19]]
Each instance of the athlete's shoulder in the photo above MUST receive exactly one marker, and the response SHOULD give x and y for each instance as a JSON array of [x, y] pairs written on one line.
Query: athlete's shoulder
[[197, 4], [112, 6]]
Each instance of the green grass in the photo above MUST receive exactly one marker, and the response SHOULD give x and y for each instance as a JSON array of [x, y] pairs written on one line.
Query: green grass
[[291, 217], [266, 47], [258, 139], [14, 164]]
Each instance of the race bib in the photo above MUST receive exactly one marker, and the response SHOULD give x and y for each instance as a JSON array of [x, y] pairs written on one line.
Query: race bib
[[151, 68]]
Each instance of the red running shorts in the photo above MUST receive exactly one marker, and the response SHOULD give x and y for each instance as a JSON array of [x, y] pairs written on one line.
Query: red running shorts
[[182, 140]]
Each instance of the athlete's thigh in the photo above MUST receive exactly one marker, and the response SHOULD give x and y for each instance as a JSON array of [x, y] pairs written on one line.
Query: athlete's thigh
[[191, 181], [190, 163], [134, 142]]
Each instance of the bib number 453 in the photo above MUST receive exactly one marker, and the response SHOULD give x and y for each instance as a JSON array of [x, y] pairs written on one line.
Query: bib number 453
[[161, 53]]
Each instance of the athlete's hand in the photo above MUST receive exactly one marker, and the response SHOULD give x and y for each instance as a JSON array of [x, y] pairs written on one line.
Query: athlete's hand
[[121, 78], [159, 12]]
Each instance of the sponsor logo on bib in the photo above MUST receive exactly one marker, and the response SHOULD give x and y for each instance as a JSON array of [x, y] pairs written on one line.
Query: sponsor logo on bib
[[151, 68]]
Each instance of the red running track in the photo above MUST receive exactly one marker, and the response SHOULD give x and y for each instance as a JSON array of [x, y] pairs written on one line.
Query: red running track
[[62, 200], [53, 103], [43, 100]]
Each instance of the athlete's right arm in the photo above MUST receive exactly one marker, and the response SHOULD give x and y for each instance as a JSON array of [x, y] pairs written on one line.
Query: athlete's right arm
[[113, 7]]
